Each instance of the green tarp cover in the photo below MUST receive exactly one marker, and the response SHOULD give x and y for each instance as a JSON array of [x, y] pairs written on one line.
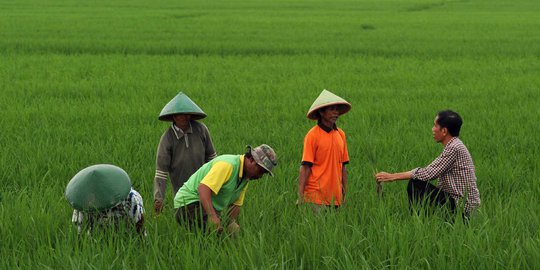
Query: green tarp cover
[[98, 187]]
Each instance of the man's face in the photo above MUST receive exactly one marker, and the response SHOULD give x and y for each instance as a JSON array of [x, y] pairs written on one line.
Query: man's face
[[254, 170], [330, 114], [438, 132], [181, 120]]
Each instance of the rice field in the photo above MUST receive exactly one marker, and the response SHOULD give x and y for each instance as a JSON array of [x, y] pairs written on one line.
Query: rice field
[[83, 82]]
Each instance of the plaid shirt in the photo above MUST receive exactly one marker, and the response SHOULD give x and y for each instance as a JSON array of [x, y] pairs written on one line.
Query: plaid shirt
[[455, 170], [131, 207]]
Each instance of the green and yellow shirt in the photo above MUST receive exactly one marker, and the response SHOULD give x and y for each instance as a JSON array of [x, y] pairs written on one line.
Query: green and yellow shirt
[[223, 175]]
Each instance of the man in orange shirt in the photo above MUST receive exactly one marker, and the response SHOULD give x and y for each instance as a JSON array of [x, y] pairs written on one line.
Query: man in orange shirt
[[323, 175]]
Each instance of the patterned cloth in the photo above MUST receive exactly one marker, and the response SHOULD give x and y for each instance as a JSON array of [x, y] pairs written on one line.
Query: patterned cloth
[[132, 208], [455, 170]]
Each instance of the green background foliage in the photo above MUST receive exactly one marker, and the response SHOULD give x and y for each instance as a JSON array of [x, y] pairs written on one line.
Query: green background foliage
[[82, 83]]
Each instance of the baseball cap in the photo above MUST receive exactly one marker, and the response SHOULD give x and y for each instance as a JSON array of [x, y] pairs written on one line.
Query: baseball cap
[[265, 156]]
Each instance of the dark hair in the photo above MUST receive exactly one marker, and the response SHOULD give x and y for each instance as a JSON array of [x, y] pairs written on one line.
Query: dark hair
[[248, 153], [450, 120]]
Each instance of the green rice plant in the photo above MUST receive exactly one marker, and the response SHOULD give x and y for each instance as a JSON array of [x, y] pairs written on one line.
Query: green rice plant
[[82, 83]]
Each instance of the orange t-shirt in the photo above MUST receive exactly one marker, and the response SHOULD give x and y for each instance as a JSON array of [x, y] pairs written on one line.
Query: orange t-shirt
[[327, 152]]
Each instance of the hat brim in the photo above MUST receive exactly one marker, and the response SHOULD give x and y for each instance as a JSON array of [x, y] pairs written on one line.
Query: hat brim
[[343, 108], [258, 161], [98, 187], [194, 116]]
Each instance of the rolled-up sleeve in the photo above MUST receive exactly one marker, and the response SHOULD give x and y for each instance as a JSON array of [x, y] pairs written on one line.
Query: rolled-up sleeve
[[438, 167], [345, 157]]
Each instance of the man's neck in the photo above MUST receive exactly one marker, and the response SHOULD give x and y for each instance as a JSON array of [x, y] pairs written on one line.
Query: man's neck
[[184, 128], [446, 140], [325, 125]]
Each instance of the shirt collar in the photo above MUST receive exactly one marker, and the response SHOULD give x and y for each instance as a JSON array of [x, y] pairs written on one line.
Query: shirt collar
[[325, 128], [451, 141], [241, 173], [179, 132]]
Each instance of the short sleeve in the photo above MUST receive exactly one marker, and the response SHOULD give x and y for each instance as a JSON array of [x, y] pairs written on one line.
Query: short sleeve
[[308, 155], [217, 176]]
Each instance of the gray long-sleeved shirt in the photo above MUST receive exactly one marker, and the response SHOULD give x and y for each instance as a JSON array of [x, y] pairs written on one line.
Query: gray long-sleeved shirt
[[179, 155]]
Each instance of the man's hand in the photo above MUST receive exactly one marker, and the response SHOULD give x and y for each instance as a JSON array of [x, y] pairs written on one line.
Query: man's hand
[[384, 177], [158, 206], [299, 201], [215, 224], [390, 177], [233, 229]]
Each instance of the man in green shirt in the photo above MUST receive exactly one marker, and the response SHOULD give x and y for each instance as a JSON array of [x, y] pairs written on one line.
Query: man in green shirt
[[220, 186]]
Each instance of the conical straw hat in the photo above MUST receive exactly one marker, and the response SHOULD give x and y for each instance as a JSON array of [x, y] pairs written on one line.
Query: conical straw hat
[[327, 98], [181, 104], [98, 187]]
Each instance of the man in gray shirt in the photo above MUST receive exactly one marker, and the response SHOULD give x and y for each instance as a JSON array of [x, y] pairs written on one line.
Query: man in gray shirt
[[183, 148]]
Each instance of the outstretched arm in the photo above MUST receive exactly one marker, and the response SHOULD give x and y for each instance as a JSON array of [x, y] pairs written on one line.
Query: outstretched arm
[[390, 177]]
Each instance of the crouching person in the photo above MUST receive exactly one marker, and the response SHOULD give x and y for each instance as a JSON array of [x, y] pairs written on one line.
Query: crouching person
[[453, 168], [214, 194], [102, 196]]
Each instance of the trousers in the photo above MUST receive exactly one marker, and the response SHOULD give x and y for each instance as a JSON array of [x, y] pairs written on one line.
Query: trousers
[[192, 215], [420, 192]]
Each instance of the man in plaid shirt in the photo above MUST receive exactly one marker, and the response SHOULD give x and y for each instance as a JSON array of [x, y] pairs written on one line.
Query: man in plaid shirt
[[453, 167]]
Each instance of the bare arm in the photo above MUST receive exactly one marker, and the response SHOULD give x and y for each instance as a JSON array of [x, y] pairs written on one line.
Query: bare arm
[[233, 228], [234, 213], [205, 196], [305, 172], [390, 177], [344, 180]]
